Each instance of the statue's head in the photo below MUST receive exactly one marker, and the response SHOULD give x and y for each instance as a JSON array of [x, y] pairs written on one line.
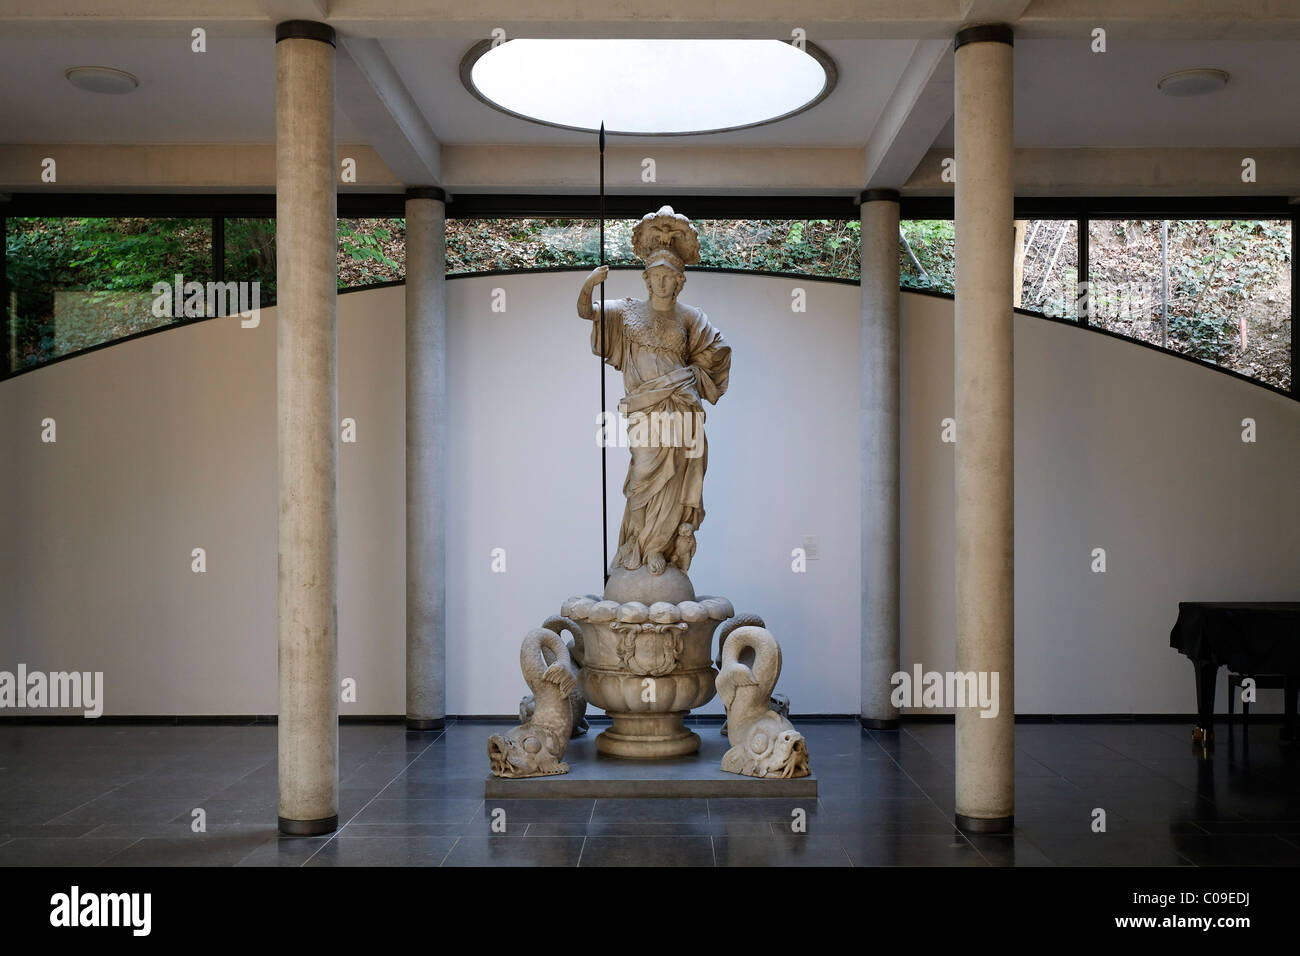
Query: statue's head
[[526, 751], [664, 277], [771, 748], [667, 243]]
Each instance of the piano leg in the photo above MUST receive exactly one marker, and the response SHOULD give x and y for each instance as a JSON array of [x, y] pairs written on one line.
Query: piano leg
[[1206, 678], [1290, 691]]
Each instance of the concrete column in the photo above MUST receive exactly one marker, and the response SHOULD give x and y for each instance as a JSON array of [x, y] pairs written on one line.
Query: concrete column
[[984, 223], [426, 454], [307, 402], [880, 463]]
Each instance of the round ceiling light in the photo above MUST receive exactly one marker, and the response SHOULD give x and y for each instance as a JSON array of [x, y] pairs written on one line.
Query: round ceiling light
[[101, 79], [1192, 82], [649, 87]]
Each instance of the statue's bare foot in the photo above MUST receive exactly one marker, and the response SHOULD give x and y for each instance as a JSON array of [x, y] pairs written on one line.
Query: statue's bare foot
[[629, 558], [657, 563]]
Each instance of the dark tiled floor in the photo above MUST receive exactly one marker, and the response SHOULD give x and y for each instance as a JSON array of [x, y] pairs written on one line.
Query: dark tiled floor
[[113, 795]]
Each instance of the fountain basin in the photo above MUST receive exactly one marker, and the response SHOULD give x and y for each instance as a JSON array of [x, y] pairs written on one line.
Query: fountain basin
[[647, 666]]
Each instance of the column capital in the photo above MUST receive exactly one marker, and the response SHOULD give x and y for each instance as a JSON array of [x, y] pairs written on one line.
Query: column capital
[[427, 192], [877, 195], [304, 30], [984, 33]]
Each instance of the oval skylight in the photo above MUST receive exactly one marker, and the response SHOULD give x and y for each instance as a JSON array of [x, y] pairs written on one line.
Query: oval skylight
[[649, 87]]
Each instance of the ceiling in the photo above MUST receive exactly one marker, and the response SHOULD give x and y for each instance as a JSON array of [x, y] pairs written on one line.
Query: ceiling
[[868, 70], [399, 88], [226, 95], [1066, 96]]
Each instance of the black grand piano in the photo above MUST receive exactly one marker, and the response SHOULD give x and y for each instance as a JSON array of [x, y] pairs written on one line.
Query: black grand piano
[[1247, 638]]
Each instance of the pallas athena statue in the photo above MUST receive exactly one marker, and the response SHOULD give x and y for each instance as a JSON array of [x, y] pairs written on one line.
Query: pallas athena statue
[[672, 361], [641, 652]]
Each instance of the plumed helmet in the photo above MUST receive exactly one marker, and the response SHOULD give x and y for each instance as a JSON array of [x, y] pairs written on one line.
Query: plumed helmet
[[669, 232]]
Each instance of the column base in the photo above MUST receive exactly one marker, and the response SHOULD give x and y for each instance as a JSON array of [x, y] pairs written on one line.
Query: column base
[[875, 723], [984, 824], [426, 723], [309, 827]]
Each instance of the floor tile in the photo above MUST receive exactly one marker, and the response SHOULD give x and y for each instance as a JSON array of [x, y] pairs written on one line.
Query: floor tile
[[651, 811], [523, 811], [647, 851], [59, 851], [82, 795], [126, 810], [784, 850], [381, 810], [217, 848], [1008, 849], [1107, 849], [503, 851], [1237, 849], [384, 851], [284, 851], [867, 849]]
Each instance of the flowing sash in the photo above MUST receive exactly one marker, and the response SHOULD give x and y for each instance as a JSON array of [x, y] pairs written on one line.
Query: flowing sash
[[678, 384]]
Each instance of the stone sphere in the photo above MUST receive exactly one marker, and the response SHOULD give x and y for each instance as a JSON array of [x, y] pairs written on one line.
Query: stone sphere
[[672, 586]]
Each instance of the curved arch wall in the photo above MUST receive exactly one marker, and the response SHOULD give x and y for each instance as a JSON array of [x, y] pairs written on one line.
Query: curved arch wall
[[167, 443]]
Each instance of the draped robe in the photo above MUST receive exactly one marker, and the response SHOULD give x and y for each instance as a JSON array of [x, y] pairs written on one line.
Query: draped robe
[[670, 362]]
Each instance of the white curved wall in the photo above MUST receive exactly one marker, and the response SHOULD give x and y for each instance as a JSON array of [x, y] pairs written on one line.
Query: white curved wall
[[525, 474], [168, 443], [1118, 447]]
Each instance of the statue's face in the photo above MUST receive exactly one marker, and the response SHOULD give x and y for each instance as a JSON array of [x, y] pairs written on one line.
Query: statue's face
[[663, 282]]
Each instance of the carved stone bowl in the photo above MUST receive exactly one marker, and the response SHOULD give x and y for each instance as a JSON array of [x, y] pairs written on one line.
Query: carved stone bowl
[[647, 667]]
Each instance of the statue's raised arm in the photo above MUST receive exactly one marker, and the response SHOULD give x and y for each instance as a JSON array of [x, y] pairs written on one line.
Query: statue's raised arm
[[587, 309]]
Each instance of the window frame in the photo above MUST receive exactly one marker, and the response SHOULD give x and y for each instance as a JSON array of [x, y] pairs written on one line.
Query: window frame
[[508, 206], [1086, 209]]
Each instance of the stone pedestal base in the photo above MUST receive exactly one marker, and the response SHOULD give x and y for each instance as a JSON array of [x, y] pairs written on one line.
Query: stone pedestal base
[[648, 736], [595, 775]]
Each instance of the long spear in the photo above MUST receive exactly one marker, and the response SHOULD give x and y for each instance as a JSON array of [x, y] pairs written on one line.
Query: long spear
[[604, 505]]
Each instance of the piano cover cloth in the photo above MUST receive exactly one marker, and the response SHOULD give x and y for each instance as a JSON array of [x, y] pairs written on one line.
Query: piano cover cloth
[[1248, 638]]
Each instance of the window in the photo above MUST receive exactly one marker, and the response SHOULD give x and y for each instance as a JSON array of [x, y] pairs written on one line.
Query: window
[[370, 252], [1214, 290], [493, 245], [1046, 266], [1218, 290], [249, 255], [927, 255], [1046, 261], [74, 283], [750, 82], [825, 248]]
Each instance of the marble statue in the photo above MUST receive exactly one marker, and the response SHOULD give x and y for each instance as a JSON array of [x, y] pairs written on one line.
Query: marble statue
[[577, 703], [763, 742], [642, 649], [778, 702], [740, 620], [646, 641], [672, 361], [536, 747]]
